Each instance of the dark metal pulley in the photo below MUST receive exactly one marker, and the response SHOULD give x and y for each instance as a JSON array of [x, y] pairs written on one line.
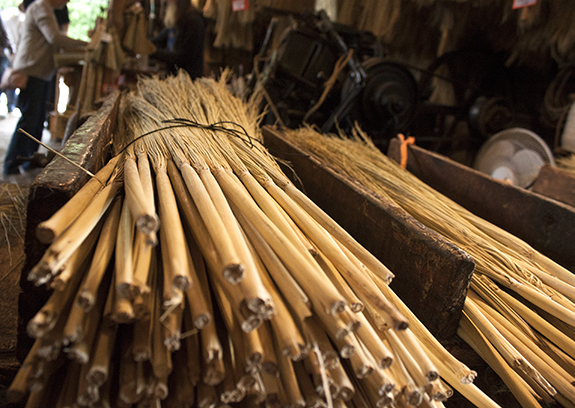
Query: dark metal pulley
[[389, 98]]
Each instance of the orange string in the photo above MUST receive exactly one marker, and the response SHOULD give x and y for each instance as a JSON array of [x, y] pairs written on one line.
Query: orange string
[[403, 148]]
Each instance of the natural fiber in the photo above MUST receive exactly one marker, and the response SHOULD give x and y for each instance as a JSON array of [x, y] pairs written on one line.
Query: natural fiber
[[503, 262], [257, 311]]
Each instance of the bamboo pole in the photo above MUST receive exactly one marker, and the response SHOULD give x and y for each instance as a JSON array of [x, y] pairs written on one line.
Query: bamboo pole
[[518, 387], [67, 242], [141, 208], [513, 357], [233, 269], [257, 298], [358, 280], [293, 293], [295, 261], [61, 220], [124, 265], [102, 255], [175, 248]]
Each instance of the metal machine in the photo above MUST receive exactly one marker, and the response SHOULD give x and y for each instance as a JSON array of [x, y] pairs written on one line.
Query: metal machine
[[309, 80], [332, 76]]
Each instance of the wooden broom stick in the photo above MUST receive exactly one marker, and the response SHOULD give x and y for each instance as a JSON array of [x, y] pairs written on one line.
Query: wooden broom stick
[[55, 225]]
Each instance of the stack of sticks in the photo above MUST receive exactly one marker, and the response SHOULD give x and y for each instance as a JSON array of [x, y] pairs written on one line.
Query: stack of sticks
[[519, 314], [190, 272]]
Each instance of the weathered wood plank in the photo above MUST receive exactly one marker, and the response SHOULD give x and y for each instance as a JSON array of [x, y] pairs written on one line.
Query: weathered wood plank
[[557, 184], [432, 275]]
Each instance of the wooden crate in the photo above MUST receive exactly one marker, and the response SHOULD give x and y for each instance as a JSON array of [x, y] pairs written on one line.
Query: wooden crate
[[544, 223]]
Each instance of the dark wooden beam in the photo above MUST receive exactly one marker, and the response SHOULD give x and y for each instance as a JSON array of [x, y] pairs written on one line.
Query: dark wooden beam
[[557, 184], [431, 274]]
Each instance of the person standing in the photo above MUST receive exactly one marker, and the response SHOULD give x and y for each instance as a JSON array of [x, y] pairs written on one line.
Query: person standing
[[5, 53], [181, 43], [13, 20], [63, 19], [41, 38]]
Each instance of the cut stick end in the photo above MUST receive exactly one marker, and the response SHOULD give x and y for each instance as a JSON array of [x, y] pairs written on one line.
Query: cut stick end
[[432, 376], [97, 376], [347, 351], [58, 284], [75, 354], [292, 352], [353, 326], [270, 367], [127, 290], [401, 325], [234, 273], [337, 307], [123, 317], [340, 334], [365, 371], [357, 307], [45, 234], [251, 324], [202, 321], [172, 342], [414, 398], [469, 377], [386, 388], [148, 224], [386, 362], [181, 282], [86, 300]]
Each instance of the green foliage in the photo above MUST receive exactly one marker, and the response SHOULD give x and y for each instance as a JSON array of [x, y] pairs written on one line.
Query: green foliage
[[9, 3], [83, 15]]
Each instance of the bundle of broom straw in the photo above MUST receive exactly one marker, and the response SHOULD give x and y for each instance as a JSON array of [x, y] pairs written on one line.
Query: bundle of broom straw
[[519, 314], [190, 272]]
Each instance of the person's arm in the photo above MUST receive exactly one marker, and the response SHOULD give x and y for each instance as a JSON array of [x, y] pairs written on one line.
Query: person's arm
[[46, 22]]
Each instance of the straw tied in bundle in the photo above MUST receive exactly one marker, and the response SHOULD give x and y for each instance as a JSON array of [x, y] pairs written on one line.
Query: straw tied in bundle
[[190, 271], [519, 314]]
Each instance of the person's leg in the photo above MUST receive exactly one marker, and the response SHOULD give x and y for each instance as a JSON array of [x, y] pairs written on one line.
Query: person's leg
[[4, 63], [10, 99], [10, 93], [32, 104]]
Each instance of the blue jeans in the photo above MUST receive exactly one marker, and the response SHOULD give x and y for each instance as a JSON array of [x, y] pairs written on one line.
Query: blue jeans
[[10, 93], [32, 104]]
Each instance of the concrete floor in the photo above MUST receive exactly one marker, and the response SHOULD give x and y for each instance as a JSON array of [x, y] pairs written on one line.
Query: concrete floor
[[8, 124]]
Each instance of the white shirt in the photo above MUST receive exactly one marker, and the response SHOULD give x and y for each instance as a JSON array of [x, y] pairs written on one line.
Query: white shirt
[[41, 38], [13, 20]]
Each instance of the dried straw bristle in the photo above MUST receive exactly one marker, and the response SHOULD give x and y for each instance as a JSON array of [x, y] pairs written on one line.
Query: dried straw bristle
[[541, 355], [246, 278]]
